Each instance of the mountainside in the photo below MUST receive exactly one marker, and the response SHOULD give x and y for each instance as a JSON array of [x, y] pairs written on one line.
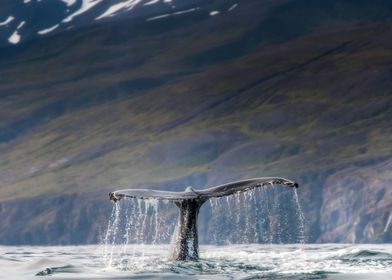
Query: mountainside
[[300, 89], [25, 20]]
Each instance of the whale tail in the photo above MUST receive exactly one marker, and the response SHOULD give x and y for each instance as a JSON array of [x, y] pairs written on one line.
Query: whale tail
[[189, 202], [205, 194]]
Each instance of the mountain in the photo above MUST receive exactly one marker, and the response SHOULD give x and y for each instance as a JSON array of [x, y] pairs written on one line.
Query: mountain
[[25, 20], [199, 94]]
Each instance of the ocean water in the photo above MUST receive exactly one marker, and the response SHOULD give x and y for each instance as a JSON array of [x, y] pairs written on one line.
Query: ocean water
[[251, 261]]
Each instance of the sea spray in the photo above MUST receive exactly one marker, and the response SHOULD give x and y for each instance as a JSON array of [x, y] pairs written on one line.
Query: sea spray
[[111, 233], [132, 224], [215, 223], [301, 218], [262, 215]]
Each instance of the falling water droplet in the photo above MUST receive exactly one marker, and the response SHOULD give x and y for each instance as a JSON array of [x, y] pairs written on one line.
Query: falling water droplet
[[301, 218], [261, 215]]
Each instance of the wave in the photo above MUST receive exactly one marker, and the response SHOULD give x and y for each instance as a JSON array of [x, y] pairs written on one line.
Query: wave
[[245, 262], [366, 255], [60, 269]]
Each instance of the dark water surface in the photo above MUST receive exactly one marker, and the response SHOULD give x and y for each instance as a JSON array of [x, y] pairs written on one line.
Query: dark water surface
[[253, 261]]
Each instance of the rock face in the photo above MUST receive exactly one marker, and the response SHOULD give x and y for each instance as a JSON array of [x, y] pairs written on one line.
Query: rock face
[[351, 206], [357, 205], [61, 220], [263, 88]]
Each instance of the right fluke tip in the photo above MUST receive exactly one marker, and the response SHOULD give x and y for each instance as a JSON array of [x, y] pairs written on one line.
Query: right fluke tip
[[113, 197]]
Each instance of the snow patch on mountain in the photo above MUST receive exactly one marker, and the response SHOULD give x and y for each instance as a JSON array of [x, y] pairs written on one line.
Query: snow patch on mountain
[[21, 25], [7, 21], [186, 11], [152, 2], [15, 37], [233, 7], [158, 17], [47, 30], [127, 5], [69, 2], [86, 5], [67, 14], [173, 14]]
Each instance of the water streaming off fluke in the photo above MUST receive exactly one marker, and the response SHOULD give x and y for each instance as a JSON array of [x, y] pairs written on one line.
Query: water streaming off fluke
[[262, 215]]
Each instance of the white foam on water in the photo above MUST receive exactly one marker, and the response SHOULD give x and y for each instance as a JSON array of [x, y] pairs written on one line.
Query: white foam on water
[[295, 261]]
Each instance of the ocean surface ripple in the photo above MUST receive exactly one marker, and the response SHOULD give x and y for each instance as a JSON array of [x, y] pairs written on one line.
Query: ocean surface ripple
[[251, 261]]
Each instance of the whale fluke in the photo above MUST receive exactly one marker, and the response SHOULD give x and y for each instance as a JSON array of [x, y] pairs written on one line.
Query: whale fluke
[[244, 185], [217, 191], [189, 203]]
